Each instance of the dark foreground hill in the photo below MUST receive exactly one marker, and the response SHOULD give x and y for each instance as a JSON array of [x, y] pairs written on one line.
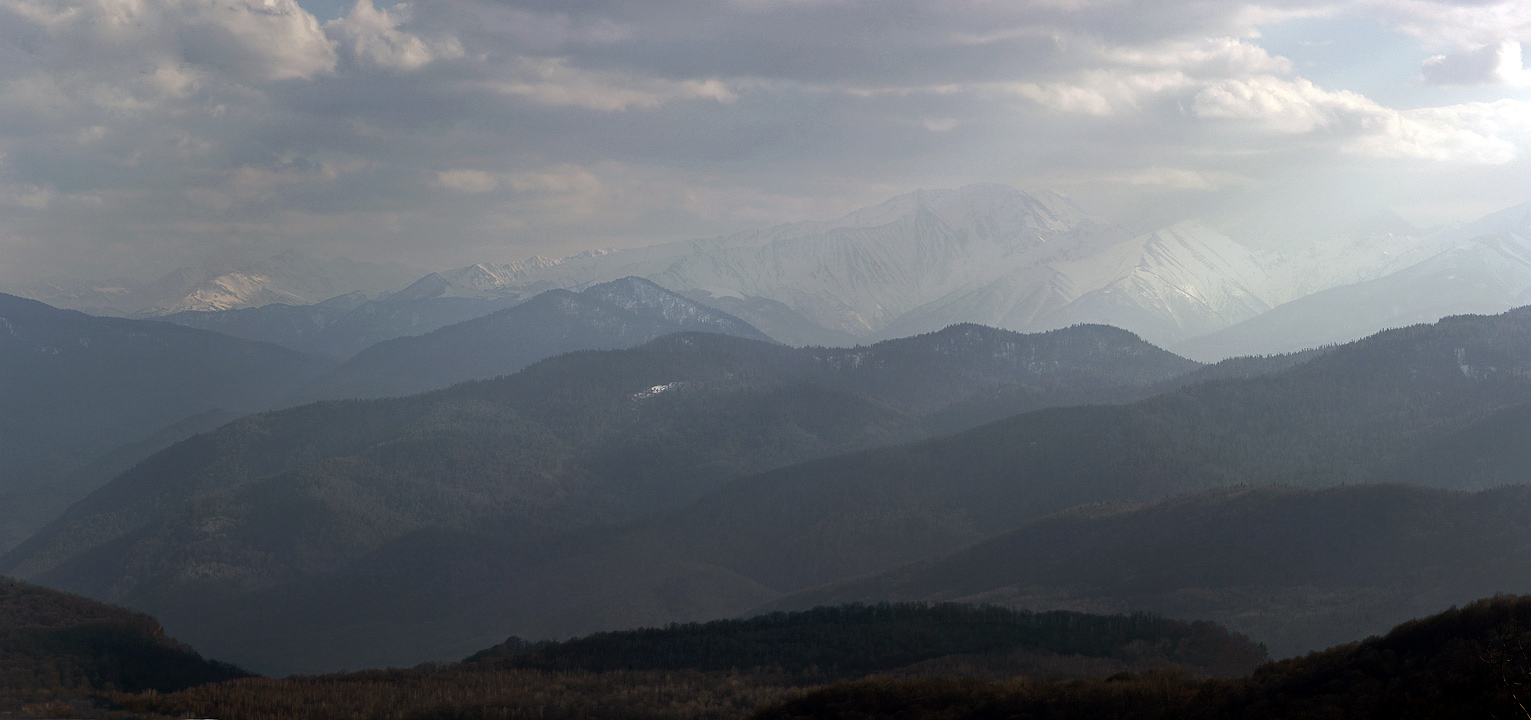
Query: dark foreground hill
[[1464, 663], [726, 669], [610, 316], [74, 387], [1296, 569], [322, 505], [1467, 663], [855, 640], [52, 642]]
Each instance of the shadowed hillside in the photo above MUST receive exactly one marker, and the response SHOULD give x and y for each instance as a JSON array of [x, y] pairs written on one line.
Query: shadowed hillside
[[1296, 569], [54, 642], [1467, 663], [74, 387]]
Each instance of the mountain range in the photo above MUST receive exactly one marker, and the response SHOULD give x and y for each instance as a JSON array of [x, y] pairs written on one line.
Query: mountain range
[[1403, 405], [986, 254], [997, 256], [675, 481], [583, 440]]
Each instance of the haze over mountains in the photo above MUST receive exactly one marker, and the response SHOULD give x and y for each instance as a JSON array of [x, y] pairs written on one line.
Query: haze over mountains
[[290, 277], [986, 254]]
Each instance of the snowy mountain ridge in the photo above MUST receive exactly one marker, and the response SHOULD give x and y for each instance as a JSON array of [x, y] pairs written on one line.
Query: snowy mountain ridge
[[989, 254]]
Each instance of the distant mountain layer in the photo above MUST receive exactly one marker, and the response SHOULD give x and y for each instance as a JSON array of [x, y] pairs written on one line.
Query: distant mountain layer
[[291, 278], [1296, 569], [619, 314], [1484, 274], [73, 387], [988, 254], [53, 642], [994, 255], [585, 439], [342, 326]]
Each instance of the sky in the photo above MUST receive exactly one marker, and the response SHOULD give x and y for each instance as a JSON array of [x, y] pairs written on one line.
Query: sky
[[141, 135]]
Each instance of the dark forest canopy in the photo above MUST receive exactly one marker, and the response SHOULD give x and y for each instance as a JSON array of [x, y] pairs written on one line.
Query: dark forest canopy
[[52, 641], [1464, 663], [855, 640], [1472, 662]]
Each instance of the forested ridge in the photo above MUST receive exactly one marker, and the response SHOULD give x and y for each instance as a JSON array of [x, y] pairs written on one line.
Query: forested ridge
[[1296, 568], [1470, 662], [854, 640], [52, 642]]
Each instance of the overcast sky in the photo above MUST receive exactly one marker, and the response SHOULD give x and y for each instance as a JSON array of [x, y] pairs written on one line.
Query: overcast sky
[[139, 135]]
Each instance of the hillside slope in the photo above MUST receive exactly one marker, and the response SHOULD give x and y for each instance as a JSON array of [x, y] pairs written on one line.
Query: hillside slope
[[73, 387], [56, 642]]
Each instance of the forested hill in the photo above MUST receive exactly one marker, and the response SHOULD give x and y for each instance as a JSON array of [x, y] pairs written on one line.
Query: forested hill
[[74, 386], [1295, 568], [856, 640], [52, 641], [583, 439], [610, 316], [1461, 664]]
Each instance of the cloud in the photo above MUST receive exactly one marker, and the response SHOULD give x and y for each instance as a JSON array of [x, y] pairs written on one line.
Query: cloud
[[500, 128], [551, 81], [1101, 92], [1468, 24], [1285, 106], [1498, 64], [1482, 133], [373, 36], [1181, 179], [469, 181], [1129, 76]]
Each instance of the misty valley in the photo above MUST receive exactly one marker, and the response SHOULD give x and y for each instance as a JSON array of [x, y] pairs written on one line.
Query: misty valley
[[962, 454]]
